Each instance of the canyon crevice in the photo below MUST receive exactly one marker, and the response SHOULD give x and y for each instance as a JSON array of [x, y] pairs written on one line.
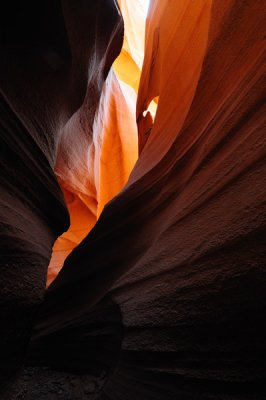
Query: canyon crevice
[[142, 188]]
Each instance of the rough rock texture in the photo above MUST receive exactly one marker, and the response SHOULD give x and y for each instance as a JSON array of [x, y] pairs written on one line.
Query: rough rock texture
[[179, 255], [44, 383]]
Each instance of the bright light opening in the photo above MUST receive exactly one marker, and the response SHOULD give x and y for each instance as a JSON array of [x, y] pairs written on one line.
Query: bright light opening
[[145, 4]]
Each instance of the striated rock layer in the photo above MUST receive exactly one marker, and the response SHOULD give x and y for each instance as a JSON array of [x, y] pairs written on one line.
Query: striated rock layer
[[178, 256]]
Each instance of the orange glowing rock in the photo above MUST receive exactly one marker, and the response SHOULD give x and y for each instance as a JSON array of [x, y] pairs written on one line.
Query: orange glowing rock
[[96, 165]]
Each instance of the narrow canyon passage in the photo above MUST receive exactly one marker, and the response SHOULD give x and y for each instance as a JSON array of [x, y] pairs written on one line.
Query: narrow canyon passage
[[133, 188]]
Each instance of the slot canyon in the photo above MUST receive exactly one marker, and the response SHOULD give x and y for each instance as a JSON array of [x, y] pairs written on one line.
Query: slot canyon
[[133, 200]]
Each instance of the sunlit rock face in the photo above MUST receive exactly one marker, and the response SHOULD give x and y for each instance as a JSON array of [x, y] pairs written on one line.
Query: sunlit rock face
[[165, 298], [94, 162]]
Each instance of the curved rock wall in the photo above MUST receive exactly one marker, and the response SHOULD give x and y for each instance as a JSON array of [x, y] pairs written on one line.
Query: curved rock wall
[[181, 249], [178, 256]]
